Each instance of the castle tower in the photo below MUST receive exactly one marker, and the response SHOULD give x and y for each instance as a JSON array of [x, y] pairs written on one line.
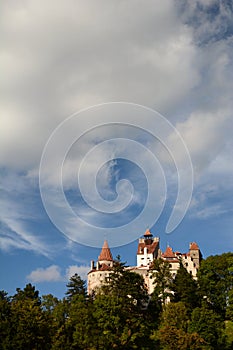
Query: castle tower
[[148, 248], [173, 259], [101, 271], [195, 254]]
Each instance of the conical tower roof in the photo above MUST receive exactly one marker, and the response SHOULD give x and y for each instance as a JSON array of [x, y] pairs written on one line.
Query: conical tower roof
[[148, 233], [169, 253], [193, 246], [105, 253]]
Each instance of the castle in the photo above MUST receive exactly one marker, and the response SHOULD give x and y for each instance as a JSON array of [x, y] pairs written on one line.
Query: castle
[[148, 250]]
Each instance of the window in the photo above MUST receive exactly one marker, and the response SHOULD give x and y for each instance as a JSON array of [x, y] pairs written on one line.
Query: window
[[186, 264], [190, 272]]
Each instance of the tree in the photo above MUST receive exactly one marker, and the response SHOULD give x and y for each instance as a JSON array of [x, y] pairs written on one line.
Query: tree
[[81, 320], [28, 293], [185, 288], [175, 315], [28, 322], [209, 325], [173, 330], [48, 303], [76, 286], [61, 339], [5, 320], [229, 308], [215, 278], [119, 312], [127, 284], [162, 281], [229, 334]]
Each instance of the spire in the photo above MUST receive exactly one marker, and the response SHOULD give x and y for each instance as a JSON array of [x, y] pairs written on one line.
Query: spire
[[105, 253], [169, 253], [148, 234]]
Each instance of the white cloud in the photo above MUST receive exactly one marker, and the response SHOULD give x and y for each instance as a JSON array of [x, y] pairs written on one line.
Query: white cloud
[[209, 212], [206, 134], [15, 233], [99, 56], [49, 274], [81, 270], [53, 273], [82, 55]]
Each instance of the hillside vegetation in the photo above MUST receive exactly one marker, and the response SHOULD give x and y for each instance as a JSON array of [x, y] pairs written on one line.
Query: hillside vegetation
[[121, 314]]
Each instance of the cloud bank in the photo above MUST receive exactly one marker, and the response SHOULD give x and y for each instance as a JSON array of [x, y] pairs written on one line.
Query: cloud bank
[[59, 58]]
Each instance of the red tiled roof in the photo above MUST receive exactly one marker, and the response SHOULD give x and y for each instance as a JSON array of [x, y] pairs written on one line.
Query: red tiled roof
[[168, 253], [105, 253], [193, 246], [150, 247], [105, 267]]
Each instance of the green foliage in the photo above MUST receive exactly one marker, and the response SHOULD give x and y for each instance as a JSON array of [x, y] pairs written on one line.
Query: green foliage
[[119, 311], [76, 286], [126, 284], [5, 317], [60, 334], [122, 315], [215, 278], [229, 308], [49, 302], [175, 315], [172, 333], [28, 293], [162, 280], [209, 326], [173, 338], [28, 325], [229, 334], [185, 289], [120, 323]]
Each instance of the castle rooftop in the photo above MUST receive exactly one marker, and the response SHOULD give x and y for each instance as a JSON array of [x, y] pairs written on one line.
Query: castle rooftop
[[105, 254]]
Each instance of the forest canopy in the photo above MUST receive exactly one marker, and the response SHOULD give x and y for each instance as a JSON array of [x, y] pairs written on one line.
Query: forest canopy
[[121, 314]]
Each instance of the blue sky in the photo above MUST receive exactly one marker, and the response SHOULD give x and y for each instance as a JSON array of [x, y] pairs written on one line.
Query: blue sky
[[174, 57]]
